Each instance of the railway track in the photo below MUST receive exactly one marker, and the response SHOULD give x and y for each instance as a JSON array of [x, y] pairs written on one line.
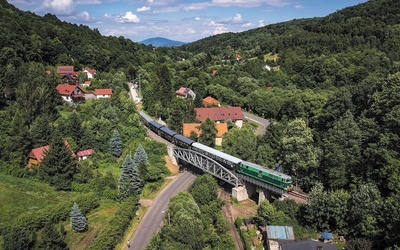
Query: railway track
[[227, 210], [298, 197]]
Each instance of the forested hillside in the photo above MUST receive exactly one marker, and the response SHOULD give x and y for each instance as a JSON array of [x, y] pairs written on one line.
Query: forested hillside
[[329, 85]]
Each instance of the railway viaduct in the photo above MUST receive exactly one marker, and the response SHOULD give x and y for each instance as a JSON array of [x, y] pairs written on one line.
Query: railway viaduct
[[243, 186]]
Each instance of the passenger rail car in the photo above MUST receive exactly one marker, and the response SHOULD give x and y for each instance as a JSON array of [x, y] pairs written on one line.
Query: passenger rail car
[[225, 159], [269, 176], [166, 133]]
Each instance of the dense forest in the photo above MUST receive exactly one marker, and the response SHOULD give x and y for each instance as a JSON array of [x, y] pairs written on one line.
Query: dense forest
[[329, 85]]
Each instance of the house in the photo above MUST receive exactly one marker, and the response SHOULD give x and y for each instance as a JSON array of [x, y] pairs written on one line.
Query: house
[[210, 102], [84, 154], [307, 244], [86, 84], [184, 92], [221, 114], [67, 73], [273, 236], [103, 93], [222, 128], [70, 93], [89, 72], [36, 156], [64, 70]]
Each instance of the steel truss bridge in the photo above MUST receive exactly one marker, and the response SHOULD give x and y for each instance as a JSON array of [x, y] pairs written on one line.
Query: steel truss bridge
[[205, 163], [214, 168]]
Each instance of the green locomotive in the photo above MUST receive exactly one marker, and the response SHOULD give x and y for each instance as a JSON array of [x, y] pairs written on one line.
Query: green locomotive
[[269, 176]]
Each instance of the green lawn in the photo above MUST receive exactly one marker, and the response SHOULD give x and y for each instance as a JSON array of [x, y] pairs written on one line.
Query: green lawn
[[20, 195]]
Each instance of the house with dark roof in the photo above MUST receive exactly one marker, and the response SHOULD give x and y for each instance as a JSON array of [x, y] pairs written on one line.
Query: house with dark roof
[[307, 244], [222, 128], [103, 93], [70, 93], [211, 102], [221, 114]]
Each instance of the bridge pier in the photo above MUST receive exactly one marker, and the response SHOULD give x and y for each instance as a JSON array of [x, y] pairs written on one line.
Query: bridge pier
[[240, 193], [262, 195], [171, 155]]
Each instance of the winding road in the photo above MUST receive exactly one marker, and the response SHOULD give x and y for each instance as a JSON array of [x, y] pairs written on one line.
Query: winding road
[[152, 221], [263, 122]]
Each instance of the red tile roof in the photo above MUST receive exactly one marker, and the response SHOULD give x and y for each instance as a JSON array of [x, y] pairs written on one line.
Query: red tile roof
[[222, 128], [67, 89], [65, 69], [182, 91], [210, 101], [86, 152], [38, 153], [219, 114], [103, 91], [91, 71]]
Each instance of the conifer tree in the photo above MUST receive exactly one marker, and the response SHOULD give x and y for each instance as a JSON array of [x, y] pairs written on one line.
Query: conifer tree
[[78, 221], [140, 156], [130, 183], [116, 144], [58, 166]]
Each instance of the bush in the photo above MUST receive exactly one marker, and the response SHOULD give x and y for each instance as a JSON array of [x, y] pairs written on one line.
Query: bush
[[115, 229], [238, 222]]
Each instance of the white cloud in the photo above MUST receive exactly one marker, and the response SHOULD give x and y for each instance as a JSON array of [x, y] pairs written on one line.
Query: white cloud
[[190, 31], [85, 16], [143, 9], [197, 18], [299, 6], [62, 7], [247, 24], [107, 15], [220, 29], [250, 3], [150, 1], [261, 23], [237, 18], [129, 17]]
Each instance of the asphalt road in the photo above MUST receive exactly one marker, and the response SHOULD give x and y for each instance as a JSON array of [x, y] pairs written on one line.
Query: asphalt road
[[264, 122], [151, 222]]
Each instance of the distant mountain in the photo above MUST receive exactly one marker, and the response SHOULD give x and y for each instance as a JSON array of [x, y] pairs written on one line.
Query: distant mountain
[[160, 42]]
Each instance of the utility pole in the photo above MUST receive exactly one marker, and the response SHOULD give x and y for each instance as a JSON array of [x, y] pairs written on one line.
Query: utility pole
[[139, 87]]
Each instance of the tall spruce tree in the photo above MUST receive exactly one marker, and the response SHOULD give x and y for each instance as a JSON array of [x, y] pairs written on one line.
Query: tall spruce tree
[[130, 183], [140, 156], [78, 221], [116, 144], [59, 166]]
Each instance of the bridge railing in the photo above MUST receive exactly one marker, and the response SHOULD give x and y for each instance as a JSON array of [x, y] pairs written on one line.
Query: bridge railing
[[205, 163]]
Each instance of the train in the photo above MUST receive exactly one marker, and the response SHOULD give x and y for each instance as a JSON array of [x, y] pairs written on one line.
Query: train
[[268, 176]]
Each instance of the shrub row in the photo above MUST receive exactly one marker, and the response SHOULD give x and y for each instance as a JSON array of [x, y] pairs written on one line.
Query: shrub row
[[115, 229]]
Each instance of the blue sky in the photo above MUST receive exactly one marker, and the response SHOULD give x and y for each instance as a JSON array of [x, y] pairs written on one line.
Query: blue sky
[[182, 20]]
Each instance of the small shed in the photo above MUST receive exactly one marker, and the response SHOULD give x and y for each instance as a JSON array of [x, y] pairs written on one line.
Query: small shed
[[327, 237]]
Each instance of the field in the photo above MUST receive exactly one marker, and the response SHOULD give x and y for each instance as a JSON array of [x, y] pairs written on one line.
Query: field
[[20, 195]]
